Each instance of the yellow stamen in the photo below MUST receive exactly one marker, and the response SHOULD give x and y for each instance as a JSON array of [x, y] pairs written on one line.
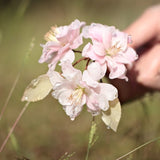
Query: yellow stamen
[[113, 50], [51, 35], [76, 96]]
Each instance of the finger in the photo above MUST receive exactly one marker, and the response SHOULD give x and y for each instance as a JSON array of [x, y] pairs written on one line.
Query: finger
[[148, 68], [145, 28]]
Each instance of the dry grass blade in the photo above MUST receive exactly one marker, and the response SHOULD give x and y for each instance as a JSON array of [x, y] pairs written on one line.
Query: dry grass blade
[[9, 95], [17, 78], [151, 141], [14, 125]]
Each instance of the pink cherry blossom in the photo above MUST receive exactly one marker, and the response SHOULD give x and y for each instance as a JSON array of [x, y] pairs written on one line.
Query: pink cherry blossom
[[109, 47], [60, 43], [74, 89]]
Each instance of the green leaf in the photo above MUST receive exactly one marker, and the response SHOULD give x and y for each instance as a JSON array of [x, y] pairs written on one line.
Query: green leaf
[[112, 116], [14, 142], [38, 89]]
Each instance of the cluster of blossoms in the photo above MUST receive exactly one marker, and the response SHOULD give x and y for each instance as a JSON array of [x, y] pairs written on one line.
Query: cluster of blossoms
[[108, 49]]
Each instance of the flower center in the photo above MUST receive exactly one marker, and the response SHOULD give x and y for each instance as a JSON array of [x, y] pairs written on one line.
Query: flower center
[[112, 51], [76, 96], [51, 35]]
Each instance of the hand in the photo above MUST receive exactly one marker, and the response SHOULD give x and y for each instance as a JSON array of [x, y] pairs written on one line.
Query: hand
[[146, 40], [145, 73]]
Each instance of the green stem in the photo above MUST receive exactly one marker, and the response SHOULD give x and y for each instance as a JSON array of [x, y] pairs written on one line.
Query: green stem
[[89, 143], [87, 155]]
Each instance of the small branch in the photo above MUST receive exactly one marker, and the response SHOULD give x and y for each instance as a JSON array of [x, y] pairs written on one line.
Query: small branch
[[84, 58], [14, 125], [87, 64], [77, 51]]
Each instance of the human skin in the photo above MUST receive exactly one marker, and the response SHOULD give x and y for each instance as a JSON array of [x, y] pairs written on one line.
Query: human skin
[[144, 75]]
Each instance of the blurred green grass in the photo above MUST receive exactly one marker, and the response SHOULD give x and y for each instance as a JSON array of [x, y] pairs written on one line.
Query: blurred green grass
[[45, 132]]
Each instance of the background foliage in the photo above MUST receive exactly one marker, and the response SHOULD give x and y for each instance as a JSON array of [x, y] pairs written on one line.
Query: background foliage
[[45, 132]]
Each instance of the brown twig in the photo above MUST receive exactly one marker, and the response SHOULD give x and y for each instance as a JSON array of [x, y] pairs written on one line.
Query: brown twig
[[77, 51], [87, 64], [84, 58]]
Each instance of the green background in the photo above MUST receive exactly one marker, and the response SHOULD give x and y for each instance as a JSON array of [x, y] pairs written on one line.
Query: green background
[[45, 132]]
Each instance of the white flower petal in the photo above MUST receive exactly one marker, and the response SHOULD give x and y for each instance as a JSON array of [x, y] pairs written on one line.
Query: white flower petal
[[120, 40], [99, 49], [64, 97], [117, 70], [130, 54], [50, 50], [88, 79], [77, 42], [70, 73], [120, 58], [54, 77], [103, 103], [69, 56], [73, 111], [107, 37], [105, 94], [96, 71], [92, 103], [108, 91], [85, 31]]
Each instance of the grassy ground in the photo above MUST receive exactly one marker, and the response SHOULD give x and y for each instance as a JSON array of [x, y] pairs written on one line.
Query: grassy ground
[[45, 132]]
